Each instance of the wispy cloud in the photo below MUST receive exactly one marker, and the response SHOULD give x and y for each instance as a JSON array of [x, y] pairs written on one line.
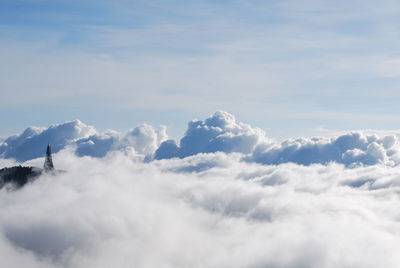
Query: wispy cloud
[[298, 57]]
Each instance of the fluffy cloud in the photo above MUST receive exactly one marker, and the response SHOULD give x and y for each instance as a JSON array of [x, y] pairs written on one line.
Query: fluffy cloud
[[221, 133], [350, 149], [33, 141], [228, 213], [143, 139], [218, 133]]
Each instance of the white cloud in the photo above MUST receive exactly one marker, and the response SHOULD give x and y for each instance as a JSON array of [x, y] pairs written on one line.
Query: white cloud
[[33, 141], [350, 149], [144, 138], [85, 139], [219, 132], [122, 213]]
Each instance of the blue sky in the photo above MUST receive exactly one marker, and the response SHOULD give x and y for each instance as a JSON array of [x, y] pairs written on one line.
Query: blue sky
[[293, 68]]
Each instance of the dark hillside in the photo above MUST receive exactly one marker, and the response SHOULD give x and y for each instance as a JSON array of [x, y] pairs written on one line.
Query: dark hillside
[[18, 176]]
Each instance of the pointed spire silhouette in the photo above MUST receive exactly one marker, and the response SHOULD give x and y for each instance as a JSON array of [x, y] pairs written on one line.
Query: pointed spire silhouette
[[48, 163]]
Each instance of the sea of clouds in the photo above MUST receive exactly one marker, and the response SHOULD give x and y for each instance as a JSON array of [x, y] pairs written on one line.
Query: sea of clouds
[[225, 195]]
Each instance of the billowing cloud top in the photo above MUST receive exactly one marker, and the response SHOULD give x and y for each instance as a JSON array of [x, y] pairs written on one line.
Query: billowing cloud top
[[31, 142], [218, 133], [86, 141], [143, 139], [349, 149]]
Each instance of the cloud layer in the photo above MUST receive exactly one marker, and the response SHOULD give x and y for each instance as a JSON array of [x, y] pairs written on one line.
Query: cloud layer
[[228, 213], [218, 133], [226, 195]]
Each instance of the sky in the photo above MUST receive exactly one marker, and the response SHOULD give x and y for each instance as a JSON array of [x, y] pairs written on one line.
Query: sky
[[292, 68]]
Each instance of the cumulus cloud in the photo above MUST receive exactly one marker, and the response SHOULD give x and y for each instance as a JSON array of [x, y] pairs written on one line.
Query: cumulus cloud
[[122, 212], [221, 133], [144, 138], [218, 133], [350, 149], [30, 143], [87, 141]]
